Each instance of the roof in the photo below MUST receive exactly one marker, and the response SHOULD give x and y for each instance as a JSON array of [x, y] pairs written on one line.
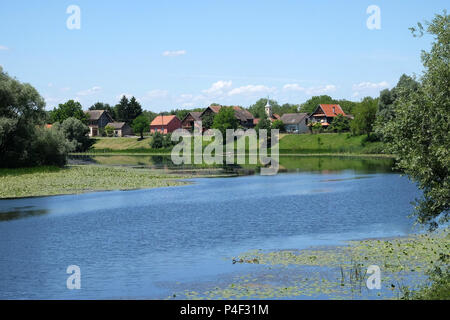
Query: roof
[[96, 114], [195, 115], [116, 125], [163, 120], [293, 118], [241, 114], [328, 109]]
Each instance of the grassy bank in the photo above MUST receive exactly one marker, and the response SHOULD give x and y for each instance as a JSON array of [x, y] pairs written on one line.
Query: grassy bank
[[46, 181], [325, 143], [339, 272]]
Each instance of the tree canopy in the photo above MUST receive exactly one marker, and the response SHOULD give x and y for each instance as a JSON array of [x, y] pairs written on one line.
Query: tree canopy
[[419, 133], [70, 109]]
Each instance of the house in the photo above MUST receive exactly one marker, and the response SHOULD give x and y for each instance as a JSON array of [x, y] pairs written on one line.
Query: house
[[121, 129], [98, 119], [188, 121], [244, 117], [165, 124], [295, 122], [270, 115], [325, 113]]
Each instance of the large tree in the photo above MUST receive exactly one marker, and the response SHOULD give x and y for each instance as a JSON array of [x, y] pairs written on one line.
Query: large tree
[[128, 110], [365, 114], [311, 104], [141, 124], [70, 109], [419, 133], [225, 119], [257, 109], [23, 141]]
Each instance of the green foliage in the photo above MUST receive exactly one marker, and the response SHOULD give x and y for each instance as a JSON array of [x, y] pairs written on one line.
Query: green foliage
[[365, 114], [278, 124], [109, 131], [70, 109], [127, 110], [339, 124], [208, 120], [22, 140], [140, 124], [257, 109], [76, 133], [50, 147], [317, 127], [419, 134], [157, 140], [224, 120]]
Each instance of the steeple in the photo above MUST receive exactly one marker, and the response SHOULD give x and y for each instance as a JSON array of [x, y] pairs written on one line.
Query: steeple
[[268, 108]]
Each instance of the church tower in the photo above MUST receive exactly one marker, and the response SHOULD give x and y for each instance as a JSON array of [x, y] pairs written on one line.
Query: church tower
[[268, 109]]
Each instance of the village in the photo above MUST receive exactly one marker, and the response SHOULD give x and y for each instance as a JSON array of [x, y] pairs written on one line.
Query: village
[[295, 123]]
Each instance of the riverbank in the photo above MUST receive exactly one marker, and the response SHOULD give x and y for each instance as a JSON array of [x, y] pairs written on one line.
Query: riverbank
[[337, 272], [290, 144], [49, 181]]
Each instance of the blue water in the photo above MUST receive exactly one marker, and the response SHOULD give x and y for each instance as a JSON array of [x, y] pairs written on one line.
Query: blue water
[[135, 244]]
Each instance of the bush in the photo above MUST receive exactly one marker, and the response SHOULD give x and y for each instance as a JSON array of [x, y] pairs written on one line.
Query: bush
[[109, 131], [76, 133], [157, 141], [50, 147]]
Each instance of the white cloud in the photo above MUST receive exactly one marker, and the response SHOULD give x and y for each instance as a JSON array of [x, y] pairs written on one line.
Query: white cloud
[[65, 89], [3, 48], [310, 90], [89, 92], [293, 87], [174, 53], [250, 89], [218, 87], [370, 85]]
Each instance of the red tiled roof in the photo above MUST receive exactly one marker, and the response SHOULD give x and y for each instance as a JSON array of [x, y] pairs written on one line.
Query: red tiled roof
[[328, 109], [162, 120]]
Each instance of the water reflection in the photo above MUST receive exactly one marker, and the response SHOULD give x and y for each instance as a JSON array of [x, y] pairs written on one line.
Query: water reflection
[[21, 212], [323, 164]]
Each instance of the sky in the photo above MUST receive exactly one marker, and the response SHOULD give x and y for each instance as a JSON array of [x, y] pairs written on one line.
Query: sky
[[188, 54]]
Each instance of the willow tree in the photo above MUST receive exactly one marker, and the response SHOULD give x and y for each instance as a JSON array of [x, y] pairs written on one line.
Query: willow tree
[[419, 135]]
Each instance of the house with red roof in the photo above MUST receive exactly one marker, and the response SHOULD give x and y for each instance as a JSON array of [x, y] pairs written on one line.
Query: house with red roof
[[165, 124], [325, 113]]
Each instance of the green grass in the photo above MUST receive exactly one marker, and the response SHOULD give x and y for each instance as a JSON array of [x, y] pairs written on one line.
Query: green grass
[[46, 181], [327, 143], [116, 144]]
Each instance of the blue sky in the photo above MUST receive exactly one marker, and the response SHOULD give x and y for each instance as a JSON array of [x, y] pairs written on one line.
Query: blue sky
[[173, 54]]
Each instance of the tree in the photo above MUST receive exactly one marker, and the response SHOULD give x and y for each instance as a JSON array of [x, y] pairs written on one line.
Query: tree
[[76, 133], [70, 109], [278, 124], [134, 109], [109, 131], [121, 109], [258, 110], [365, 113], [225, 119], [419, 134], [157, 140], [208, 120], [140, 124], [339, 124]]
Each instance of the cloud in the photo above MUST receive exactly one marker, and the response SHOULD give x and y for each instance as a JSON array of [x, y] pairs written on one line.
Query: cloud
[[174, 53], [218, 87], [3, 48], [250, 89], [370, 85], [89, 92], [310, 90]]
